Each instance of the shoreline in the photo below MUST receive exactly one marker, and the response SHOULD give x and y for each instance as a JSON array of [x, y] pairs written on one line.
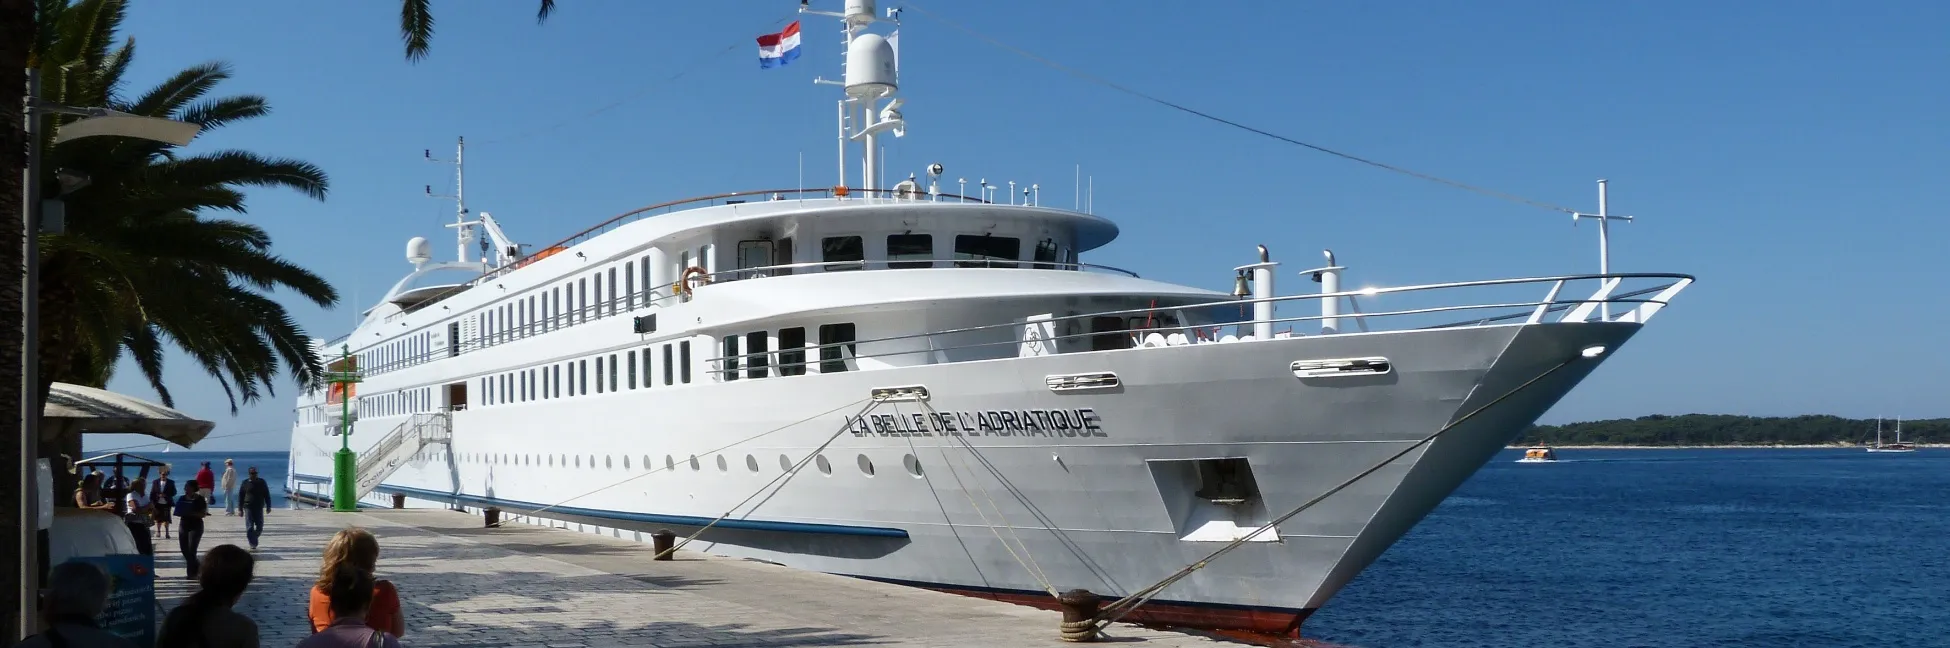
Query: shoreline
[[1783, 446]]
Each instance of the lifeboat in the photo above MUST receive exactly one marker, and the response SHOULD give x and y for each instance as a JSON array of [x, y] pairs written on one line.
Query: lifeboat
[[1538, 454]]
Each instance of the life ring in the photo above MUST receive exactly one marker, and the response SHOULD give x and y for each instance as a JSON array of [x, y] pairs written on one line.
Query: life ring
[[684, 287]]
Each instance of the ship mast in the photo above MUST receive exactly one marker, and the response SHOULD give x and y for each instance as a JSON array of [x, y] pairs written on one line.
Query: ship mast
[[871, 76]]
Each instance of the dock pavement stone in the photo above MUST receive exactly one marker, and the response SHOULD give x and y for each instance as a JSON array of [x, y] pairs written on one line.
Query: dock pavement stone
[[522, 585]]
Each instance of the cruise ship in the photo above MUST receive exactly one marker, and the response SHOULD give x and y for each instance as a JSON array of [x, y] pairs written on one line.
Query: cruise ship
[[906, 385]]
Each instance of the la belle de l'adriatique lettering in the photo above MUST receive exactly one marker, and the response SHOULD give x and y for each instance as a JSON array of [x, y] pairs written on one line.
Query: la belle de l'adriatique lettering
[[1079, 422]]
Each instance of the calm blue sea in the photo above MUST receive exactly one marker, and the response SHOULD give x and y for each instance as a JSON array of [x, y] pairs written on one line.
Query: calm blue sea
[[272, 466], [1620, 548], [1751, 548]]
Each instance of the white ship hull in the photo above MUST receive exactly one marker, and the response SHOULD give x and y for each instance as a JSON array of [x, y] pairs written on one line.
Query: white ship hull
[[1100, 508]]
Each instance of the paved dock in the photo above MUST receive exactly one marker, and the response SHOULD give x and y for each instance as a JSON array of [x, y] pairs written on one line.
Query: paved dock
[[522, 585]]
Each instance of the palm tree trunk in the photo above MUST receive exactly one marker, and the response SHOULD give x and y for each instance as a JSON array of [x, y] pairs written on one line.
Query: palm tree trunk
[[17, 29]]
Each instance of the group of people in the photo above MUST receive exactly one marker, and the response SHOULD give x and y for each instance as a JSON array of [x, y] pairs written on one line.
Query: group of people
[[349, 606], [150, 507]]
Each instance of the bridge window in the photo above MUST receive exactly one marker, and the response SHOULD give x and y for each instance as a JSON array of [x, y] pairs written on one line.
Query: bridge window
[[986, 251], [792, 351], [910, 246], [831, 336], [756, 344], [834, 250]]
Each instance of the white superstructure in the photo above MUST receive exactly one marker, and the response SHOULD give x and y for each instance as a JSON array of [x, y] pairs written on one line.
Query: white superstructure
[[924, 388]]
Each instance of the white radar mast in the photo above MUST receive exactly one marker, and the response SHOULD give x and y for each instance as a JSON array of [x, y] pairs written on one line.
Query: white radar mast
[[496, 248], [872, 76]]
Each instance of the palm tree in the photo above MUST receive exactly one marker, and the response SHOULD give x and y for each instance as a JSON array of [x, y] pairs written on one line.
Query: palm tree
[[141, 263], [416, 25]]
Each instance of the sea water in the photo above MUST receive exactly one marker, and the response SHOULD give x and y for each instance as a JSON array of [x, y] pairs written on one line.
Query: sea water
[[1764, 547]]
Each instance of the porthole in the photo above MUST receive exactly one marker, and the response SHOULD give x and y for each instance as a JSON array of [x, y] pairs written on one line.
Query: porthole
[[723, 466], [670, 463], [646, 462], [825, 466], [551, 460], [626, 462], [578, 461], [751, 463], [694, 464], [606, 462], [913, 465], [785, 463], [866, 466]]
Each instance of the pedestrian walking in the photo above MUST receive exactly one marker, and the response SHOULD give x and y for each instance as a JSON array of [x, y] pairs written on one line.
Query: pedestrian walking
[[229, 483], [207, 480], [162, 494], [256, 504], [192, 508]]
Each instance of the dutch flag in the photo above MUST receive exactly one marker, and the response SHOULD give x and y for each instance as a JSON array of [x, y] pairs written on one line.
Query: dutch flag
[[780, 48]]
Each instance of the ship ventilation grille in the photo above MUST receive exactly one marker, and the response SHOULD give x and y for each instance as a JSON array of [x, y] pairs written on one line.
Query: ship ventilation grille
[[1083, 381], [1342, 367]]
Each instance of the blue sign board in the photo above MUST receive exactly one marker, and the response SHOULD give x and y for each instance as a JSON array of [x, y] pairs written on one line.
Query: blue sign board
[[131, 609]]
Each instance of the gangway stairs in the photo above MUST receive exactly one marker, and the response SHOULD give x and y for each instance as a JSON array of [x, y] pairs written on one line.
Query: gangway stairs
[[398, 448]]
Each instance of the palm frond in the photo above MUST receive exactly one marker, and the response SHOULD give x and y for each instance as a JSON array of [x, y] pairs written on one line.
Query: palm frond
[[548, 7], [215, 113], [246, 168], [416, 27], [185, 87]]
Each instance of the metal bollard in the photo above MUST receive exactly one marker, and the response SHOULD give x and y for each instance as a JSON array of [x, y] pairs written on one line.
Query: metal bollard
[[493, 516], [1079, 615], [662, 541], [399, 501]]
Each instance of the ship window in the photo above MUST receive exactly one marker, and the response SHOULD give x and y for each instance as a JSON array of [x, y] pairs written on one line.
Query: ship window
[[1046, 251], [582, 300], [910, 246], [684, 357], [825, 467], [609, 304], [629, 283], [555, 382], [599, 294], [683, 263], [756, 345], [831, 360], [785, 463], [669, 367], [792, 351], [730, 360], [599, 374], [631, 356], [612, 372], [835, 251], [753, 254], [555, 309], [647, 382], [582, 377], [782, 256], [723, 466], [986, 251], [643, 268]]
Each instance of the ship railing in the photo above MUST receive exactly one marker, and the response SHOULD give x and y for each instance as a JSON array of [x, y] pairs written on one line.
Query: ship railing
[[1165, 324], [761, 272]]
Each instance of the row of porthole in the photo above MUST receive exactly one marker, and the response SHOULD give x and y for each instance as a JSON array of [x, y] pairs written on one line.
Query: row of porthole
[[912, 464]]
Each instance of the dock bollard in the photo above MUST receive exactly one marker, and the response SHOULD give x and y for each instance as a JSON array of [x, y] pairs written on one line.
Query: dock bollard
[[661, 541], [1079, 615], [399, 501], [493, 516]]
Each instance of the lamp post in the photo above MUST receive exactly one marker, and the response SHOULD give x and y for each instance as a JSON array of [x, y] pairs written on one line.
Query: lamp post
[[95, 122]]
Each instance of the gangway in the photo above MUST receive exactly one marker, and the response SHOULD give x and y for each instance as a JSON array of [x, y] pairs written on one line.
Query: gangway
[[399, 446]]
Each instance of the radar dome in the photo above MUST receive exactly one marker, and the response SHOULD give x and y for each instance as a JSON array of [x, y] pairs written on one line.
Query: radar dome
[[870, 67], [418, 251]]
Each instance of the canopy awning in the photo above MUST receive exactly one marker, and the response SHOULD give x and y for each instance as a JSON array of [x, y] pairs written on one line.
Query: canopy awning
[[74, 409]]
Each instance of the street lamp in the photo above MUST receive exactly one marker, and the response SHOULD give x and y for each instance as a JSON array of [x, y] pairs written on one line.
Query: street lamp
[[95, 122]]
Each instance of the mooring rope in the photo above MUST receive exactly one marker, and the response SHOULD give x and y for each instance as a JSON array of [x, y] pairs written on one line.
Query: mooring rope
[[1024, 558]]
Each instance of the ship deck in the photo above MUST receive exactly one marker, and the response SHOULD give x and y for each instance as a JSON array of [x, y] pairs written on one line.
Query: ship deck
[[520, 585]]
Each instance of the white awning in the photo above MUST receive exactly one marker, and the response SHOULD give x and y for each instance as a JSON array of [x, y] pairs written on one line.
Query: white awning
[[74, 409]]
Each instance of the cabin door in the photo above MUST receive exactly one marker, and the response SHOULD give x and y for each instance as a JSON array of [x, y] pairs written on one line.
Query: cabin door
[[456, 394], [753, 254]]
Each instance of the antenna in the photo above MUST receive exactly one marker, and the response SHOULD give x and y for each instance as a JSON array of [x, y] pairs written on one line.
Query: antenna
[[871, 75]]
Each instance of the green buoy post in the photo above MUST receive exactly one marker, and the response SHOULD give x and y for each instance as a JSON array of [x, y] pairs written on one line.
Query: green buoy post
[[345, 463]]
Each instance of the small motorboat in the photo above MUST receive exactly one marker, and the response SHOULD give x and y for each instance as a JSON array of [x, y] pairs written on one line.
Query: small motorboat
[[1538, 454]]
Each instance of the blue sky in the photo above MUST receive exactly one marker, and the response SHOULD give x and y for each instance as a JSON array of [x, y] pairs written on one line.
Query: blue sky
[[1790, 154]]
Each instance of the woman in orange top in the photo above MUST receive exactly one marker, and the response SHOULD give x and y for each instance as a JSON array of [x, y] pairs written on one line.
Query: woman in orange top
[[356, 547]]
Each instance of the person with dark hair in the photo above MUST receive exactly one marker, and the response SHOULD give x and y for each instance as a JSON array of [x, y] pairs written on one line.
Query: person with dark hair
[[162, 493], [192, 508], [207, 480], [256, 504], [351, 594], [205, 619], [76, 595], [89, 495]]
